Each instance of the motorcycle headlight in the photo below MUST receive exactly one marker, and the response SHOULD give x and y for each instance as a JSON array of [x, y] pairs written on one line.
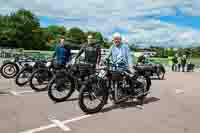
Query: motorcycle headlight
[[48, 64], [32, 64]]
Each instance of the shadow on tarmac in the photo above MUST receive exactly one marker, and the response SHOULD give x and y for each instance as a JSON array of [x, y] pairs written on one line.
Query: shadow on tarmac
[[152, 78], [129, 104]]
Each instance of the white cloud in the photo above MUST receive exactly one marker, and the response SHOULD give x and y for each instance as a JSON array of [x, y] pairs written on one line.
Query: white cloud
[[191, 7], [106, 15]]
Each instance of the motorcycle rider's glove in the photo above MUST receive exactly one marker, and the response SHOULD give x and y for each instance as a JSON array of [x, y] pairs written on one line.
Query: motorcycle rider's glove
[[73, 61], [131, 69]]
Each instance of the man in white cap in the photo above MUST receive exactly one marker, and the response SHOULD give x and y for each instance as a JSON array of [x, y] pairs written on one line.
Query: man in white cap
[[120, 53]]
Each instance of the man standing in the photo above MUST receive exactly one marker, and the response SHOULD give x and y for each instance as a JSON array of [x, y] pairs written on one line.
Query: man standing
[[179, 63], [174, 63], [92, 52], [120, 54], [62, 53], [183, 62]]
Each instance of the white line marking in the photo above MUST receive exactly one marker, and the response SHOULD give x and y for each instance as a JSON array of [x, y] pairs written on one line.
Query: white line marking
[[14, 93], [77, 119], [17, 93], [61, 125], [22, 92], [54, 125], [39, 129], [178, 91]]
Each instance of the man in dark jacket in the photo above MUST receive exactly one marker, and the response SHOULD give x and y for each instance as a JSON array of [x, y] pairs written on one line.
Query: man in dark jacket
[[62, 53], [92, 52]]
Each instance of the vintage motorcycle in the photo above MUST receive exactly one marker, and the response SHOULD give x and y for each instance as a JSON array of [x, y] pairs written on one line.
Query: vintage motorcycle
[[68, 79], [41, 77], [11, 68], [119, 86], [22, 78]]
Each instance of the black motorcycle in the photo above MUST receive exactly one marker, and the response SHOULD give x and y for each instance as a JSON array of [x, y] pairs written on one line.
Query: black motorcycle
[[157, 69], [22, 78], [67, 80], [41, 77], [119, 86], [11, 68]]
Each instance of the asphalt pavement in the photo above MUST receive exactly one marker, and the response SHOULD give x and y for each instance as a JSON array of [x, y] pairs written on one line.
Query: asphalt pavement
[[171, 107]]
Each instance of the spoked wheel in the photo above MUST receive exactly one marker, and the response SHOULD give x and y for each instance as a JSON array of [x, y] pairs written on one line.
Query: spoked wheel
[[92, 98], [39, 79], [9, 70], [60, 90], [22, 77]]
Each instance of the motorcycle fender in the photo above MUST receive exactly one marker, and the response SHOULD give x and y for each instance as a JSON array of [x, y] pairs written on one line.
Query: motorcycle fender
[[16, 66], [149, 81], [148, 73]]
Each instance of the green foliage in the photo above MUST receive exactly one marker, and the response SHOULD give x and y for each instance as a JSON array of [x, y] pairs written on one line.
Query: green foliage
[[77, 35], [18, 27], [21, 29]]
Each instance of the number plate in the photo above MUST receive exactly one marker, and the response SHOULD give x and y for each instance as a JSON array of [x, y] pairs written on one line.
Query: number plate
[[102, 74]]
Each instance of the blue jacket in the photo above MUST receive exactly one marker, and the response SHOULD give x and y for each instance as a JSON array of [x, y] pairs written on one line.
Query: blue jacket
[[62, 54]]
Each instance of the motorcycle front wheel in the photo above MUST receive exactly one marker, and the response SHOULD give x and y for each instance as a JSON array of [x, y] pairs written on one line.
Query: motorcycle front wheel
[[39, 79], [9, 70], [23, 77], [60, 91], [97, 98]]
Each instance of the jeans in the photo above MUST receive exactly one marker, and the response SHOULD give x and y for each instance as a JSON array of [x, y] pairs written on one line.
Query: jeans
[[183, 67]]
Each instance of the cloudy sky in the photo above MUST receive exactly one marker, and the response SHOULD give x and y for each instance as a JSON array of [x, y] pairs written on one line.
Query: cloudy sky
[[146, 22]]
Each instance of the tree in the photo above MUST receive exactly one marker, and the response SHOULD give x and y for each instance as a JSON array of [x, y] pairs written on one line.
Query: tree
[[55, 31], [77, 35], [23, 23], [99, 37]]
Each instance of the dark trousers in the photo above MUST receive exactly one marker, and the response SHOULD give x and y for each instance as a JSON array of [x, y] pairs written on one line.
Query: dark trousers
[[174, 67], [179, 67], [183, 67]]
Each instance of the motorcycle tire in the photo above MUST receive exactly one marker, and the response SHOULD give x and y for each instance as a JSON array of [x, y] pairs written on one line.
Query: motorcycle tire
[[17, 79], [86, 89], [11, 75], [40, 81], [59, 89]]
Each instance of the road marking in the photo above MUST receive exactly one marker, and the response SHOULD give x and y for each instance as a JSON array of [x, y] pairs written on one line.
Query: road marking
[[77, 119], [178, 91], [39, 129], [22, 92], [61, 125], [56, 125], [17, 93], [14, 93]]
